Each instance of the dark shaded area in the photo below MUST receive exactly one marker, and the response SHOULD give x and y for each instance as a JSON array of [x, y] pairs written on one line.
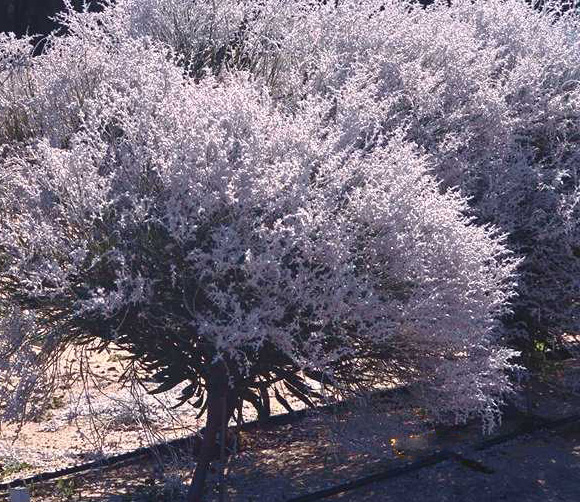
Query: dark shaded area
[[544, 467], [32, 16]]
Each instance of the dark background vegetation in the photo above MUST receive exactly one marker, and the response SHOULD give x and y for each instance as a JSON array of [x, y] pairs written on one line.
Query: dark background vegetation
[[30, 16]]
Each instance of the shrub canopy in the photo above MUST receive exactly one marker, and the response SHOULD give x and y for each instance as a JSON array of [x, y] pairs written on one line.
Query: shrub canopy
[[260, 219]]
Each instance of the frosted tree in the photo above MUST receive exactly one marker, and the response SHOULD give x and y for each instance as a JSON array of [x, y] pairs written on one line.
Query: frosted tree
[[231, 238]]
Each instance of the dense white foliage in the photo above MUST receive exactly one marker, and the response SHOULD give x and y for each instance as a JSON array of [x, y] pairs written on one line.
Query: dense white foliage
[[261, 179], [489, 91]]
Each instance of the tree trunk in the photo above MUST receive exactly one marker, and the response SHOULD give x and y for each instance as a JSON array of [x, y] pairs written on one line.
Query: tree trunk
[[219, 402]]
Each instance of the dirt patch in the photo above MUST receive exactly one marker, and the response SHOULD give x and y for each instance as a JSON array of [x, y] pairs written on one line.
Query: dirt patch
[[276, 463]]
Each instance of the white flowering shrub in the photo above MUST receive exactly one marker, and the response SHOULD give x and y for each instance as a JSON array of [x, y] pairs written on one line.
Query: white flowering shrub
[[28, 362], [241, 218], [208, 191], [488, 90]]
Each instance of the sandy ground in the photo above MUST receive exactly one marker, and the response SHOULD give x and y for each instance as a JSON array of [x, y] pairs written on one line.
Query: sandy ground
[[278, 463], [106, 420], [79, 426]]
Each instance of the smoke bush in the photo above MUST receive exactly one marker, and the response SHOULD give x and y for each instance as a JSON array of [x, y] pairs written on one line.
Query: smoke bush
[[244, 195]]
